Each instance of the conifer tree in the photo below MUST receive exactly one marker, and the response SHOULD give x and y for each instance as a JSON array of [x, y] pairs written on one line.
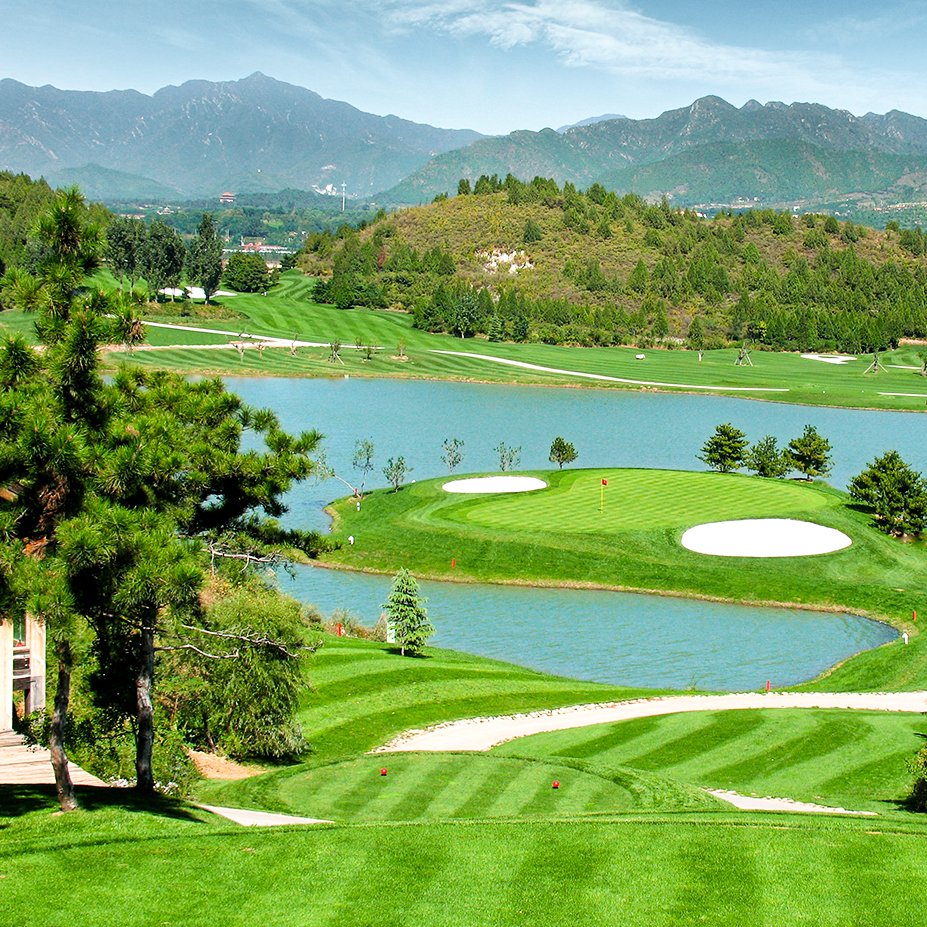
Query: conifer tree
[[406, 614]]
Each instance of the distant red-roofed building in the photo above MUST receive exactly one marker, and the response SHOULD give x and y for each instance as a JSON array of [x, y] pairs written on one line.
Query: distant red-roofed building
[[227, 198]]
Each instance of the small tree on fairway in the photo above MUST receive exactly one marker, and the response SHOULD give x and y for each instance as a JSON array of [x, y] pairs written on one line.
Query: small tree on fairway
[[508, 456], [726, 449], [562, 452], [896, 494], [453, 454], [810, 454], [363, 459], [395, 471], [406, 614], [765, 459]]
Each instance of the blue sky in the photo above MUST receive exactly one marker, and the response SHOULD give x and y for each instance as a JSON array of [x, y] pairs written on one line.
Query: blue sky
[[491, 66]]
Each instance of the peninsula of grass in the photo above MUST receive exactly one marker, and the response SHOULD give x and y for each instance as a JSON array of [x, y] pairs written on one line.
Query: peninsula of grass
[[559, 536]]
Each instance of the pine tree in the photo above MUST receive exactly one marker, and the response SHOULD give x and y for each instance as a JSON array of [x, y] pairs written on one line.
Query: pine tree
[[406, 614]]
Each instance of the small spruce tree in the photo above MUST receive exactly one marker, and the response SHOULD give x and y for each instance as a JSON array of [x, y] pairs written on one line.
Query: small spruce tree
[[406, 614]]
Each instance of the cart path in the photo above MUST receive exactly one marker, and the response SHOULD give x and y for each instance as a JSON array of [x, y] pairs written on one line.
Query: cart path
[[21, 764], [602, 376], [480, 734], [259, 818], [751, 803]]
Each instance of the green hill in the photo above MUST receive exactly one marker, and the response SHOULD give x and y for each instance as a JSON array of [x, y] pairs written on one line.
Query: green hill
[[537, 262]]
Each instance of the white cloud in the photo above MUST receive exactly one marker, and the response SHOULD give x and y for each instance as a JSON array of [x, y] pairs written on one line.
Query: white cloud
[[595, 34]]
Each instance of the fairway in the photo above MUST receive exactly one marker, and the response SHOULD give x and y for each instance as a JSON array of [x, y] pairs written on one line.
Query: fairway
[[642, 500], [288, 312]]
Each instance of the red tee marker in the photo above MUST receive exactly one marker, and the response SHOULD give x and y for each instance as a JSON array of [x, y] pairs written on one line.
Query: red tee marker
[[383, 771], [556, 784]]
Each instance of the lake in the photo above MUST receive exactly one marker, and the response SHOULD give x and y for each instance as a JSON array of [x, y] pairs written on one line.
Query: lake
[[604, 636]]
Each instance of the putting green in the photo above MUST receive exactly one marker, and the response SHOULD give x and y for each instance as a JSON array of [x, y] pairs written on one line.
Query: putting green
[[642, 500]]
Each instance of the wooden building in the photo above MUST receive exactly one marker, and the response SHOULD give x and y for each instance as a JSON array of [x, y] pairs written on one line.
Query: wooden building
[[22, 667]]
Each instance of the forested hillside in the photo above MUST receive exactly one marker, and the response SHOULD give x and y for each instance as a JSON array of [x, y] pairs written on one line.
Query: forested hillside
[[22, 201], [534, 261]]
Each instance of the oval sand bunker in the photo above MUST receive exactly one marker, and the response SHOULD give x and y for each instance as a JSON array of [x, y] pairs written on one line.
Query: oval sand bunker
[[764, 537], [495, 484]]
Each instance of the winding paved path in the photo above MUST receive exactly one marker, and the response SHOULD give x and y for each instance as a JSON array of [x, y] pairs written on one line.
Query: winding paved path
[[484, 733]]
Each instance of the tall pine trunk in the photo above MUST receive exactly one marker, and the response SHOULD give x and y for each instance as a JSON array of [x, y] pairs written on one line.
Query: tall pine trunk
[[59, 721], [144, 737]]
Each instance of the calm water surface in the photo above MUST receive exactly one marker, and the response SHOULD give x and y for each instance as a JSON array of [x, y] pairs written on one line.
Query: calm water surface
[[609, 637]]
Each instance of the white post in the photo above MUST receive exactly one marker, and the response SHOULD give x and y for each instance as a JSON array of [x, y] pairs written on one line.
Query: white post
[[35, 641], [6, 675]]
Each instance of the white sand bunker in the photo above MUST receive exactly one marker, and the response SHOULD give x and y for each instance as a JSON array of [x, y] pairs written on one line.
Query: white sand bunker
[[764, 537], [495, 484]]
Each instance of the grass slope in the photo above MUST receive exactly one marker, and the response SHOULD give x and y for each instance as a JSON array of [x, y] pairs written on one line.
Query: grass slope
[[288, 312]]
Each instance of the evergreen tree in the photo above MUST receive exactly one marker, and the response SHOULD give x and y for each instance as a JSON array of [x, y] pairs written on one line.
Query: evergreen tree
[[765, 459], [896, 494], [205, 261], [562, 452], [406, 615], [810, 453], [532, 232], [725, 450]]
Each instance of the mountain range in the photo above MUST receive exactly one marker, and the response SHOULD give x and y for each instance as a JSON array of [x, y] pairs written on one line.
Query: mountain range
[[613, 151], [203, 138], [262, 135]]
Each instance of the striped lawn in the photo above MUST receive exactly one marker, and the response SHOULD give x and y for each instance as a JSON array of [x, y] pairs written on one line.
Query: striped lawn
[[442, 786], [173, 866], [853, 759], [643, 500]]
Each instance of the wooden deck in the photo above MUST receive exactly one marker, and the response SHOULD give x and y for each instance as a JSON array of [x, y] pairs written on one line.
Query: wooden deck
[[23, 765]]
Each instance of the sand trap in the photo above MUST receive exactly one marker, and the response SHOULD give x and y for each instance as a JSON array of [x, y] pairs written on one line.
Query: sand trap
[[495, 484], [195, 292], [764, 537], [831, 358]]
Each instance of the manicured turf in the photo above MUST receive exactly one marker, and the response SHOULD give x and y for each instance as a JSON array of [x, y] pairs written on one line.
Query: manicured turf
[[639, 499], [363, 694], [443, 786], [137, 869], [851, 759]]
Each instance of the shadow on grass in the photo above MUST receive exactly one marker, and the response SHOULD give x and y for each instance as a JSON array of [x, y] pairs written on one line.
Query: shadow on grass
[[17, 800]]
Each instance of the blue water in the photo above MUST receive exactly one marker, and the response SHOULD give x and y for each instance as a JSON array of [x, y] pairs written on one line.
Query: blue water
[[604, 636]]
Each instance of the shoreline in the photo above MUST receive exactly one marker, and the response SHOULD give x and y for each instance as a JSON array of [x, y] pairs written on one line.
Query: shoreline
[[721, 391], [630, 590]]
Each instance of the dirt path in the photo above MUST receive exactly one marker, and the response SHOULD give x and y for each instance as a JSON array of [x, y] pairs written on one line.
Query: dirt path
[[484, 733]]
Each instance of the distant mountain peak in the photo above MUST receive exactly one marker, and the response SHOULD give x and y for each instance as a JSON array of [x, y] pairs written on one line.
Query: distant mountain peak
[[591, 121]]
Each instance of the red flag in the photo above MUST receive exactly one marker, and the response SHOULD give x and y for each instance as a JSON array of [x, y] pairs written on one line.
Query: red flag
[[605, 482]]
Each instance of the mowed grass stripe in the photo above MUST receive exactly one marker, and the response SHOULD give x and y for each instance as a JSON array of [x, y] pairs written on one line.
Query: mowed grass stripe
[[642, 500], [851, 758]]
